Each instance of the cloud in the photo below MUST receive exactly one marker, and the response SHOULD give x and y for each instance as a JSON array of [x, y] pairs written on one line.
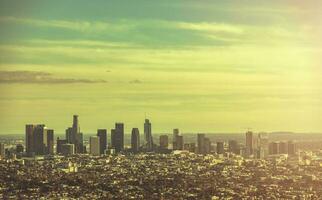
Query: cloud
[[135, 81], [39, 77]]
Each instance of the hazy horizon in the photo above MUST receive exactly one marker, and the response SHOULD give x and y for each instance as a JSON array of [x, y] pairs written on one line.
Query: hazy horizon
[[200, 66]]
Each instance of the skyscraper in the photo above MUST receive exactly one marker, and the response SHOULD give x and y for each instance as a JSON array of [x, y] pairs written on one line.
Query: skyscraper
[[291, 148], [174, 138], [148, 135], [220, 148], [164, 142], [207, 145], [274, 148], [249, 143], [113, 138], [74, 136], [233, 147], [60, 142], [50, 141], [283, 148], [119, 137], [30, 139], [179, 142], [262, 144], [94, 145], [135, 140], [201, 143], [40, 139], [102, 133]]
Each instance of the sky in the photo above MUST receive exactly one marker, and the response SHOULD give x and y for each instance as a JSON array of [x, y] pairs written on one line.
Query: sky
[[200, 66]]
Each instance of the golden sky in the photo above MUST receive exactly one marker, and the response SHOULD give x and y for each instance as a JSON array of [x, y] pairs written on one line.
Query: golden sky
[[201, 66]]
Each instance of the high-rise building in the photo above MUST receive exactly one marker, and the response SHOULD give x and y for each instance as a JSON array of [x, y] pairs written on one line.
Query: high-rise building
[[60, 142], [36, 139], [283, 148], [249, 143], [119, 137], [291, 148], [201, 143], [164, 142], [2, 151], [113, 138], [262, 144], [102, 133], [274, 148], [220, 148], [94, 145], [174, 138], [74, 136], [67, 149], [207, 145], [233, 147], [50, 141], [179, 142], [148, 135], [135, 140]]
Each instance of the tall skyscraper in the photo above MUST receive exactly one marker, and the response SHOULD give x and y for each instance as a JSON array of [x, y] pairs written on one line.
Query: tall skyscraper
[[60, 142], [164, 142], [119, 137], [274, 148], [283, 148], [102, 133], [148, 135], [50, 141], [233, 147], [220, 148], [94, 145], [113, 138], [30, 139], [262, 144], [2, 151], [179, 142], [201, 143], [74, 136], [249, 143], [207, 145], [36, 139], [291, 148], [135, 140], [174, 138], [67, 149]]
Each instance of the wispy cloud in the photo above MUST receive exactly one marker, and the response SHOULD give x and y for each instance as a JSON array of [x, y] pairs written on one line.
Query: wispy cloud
[[39, 77]]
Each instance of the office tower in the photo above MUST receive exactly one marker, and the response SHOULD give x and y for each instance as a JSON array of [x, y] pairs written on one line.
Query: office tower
[[233, 147], [274, 148], [291, 148], [94, 145], [19, 148], [50, 141], [174, 138], [67, 149], [102, 133], [148, 135], [40, 140], [220, 148], [164, 142], [207, 145], [262, 144], [135, 140], [2, 151], [119, 137], [30, 139], [201, 143], [192, 147], [249, 143], [113, 138], [60, 142], [74, 136], [283, 148], [179, 142]]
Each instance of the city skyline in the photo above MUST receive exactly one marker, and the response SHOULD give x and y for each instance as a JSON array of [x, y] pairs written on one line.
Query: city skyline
[[228, 64]]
